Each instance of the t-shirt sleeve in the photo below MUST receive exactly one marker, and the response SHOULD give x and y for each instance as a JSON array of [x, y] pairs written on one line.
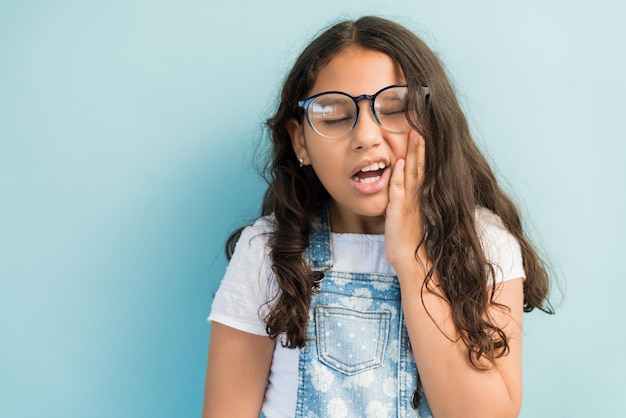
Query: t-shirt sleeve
[[241, 299], [501, 248]]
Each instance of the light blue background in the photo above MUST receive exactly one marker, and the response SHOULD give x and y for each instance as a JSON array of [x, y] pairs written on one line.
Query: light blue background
[[127, 133]]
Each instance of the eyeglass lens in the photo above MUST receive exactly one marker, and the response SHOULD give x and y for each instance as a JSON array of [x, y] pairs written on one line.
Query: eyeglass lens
[[335, 114]]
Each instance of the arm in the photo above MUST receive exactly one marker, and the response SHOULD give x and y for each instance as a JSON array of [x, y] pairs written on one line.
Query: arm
[[454, 388], [237, 371]]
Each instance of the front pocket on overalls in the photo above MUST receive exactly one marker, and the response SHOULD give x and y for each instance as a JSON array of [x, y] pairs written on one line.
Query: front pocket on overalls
[[351, 341]]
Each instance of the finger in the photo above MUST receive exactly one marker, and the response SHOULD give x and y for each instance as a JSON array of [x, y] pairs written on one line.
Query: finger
[[397, 182], [421, 158], [413, 162]]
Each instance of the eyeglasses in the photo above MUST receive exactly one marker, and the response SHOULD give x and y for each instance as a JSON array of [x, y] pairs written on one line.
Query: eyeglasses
[[333, 114]]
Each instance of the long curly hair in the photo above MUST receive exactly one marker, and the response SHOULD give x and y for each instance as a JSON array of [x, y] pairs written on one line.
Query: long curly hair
[[457, 180]]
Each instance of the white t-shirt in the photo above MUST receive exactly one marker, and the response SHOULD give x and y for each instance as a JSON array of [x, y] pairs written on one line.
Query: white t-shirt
[[249, 283]]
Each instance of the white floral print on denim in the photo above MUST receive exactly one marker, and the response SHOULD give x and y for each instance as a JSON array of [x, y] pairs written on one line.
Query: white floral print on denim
[[337, 408], [390, 386], [376, 409], [392, 350], [360, 299], [322, 377], [381, 285], [364, 379], [389, 307]]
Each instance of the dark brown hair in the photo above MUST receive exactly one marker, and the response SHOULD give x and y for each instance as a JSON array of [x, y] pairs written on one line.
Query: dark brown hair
[[457, 180]]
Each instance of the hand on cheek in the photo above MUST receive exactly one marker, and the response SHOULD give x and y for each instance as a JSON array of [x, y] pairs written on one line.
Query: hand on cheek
[[403, 223]]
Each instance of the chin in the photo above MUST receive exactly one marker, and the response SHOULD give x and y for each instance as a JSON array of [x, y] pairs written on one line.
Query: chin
[[371, 208], [374, 210]]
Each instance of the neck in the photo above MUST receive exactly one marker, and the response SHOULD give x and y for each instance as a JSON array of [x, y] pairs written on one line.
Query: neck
[[341, 222]]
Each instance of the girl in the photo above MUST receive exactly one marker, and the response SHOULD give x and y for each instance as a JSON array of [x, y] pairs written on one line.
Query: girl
[[389, 272]]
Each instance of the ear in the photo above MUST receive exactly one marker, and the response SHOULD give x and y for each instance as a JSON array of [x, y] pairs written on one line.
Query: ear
[[296, 133]]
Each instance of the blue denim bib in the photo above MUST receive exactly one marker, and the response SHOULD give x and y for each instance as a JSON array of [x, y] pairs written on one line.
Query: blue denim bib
[[357, 361]]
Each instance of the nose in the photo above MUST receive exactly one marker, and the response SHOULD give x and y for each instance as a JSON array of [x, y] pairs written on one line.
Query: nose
[[367, 132]]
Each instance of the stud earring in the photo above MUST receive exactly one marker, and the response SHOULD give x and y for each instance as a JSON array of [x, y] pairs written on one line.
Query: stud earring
[[301, 161]]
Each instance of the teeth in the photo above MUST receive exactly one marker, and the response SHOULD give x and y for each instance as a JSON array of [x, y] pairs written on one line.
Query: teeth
[[370, 179], [374, 166], [366, 180]]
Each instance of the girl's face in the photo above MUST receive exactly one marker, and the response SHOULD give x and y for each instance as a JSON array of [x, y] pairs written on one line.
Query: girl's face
[[355, 169]]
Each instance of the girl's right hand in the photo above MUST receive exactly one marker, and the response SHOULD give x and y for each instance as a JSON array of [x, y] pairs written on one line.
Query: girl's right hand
[[403, 219]]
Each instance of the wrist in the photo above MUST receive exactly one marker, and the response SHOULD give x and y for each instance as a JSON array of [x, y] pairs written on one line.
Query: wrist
[[412, 266]]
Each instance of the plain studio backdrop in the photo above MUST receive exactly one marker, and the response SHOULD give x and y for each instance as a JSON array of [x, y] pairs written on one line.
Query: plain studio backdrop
[[127, 132]]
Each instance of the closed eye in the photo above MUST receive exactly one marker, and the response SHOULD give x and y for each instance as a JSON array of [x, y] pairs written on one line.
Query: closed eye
[[392, 112], [389, 113], [337, 121]]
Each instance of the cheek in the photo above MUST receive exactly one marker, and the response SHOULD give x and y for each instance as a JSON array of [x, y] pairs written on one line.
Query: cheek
[[324, 162], [398, 144], [324, 152]]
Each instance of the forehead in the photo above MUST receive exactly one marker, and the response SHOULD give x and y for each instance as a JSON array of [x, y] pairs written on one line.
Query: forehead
[[356, 70]]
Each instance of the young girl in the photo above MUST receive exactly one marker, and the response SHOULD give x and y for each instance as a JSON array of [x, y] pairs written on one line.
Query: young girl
[[389, 272]]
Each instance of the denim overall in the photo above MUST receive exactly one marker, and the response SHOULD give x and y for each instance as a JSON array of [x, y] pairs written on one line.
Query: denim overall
[[357, 361]]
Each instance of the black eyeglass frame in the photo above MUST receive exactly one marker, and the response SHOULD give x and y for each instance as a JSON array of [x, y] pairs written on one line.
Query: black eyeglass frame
[[305, 103]]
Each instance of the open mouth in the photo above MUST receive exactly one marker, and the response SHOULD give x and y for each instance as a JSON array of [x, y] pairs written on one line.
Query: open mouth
[[370, 173]]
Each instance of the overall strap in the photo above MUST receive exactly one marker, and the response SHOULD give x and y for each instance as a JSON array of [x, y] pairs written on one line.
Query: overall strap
[[319, 252]]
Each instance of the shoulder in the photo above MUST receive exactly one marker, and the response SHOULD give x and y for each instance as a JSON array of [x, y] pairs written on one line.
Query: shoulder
[[252, 249], [257, 234], [263, 225], [490, 227], [501, 248], [248, 284]]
